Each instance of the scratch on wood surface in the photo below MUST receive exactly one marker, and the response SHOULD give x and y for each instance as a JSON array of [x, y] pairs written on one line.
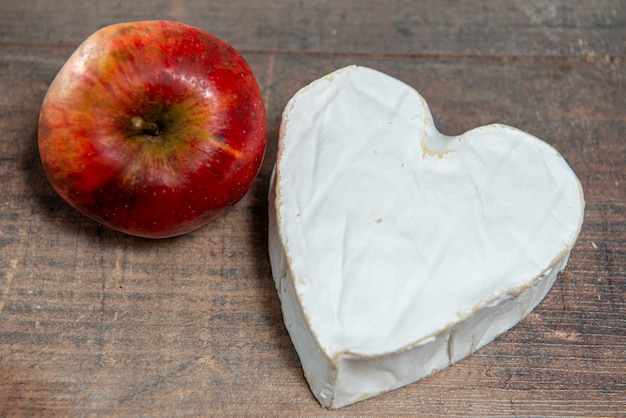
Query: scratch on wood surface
[[567, 336], [267, 89], [9, 281], [118, 271]]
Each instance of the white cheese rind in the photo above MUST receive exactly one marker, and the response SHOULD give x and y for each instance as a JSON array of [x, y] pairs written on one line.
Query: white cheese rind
[[396, 250]]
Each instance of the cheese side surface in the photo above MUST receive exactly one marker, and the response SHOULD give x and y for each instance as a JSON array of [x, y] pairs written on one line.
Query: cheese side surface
[[397, 251]]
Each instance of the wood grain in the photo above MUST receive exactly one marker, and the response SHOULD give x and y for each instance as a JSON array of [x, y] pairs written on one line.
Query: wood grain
[[93, 322], [390, 27]]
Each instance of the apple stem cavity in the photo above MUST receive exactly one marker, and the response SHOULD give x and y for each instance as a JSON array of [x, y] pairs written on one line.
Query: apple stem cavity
[[142, 126]]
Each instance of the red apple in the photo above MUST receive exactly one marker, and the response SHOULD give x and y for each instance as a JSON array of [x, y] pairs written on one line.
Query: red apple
[[153, 128]]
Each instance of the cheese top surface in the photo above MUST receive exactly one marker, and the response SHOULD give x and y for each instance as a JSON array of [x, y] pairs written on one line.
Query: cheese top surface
[[395, 232]]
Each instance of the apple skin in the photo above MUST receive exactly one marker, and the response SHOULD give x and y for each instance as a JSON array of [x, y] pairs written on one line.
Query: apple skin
[[153, 128]]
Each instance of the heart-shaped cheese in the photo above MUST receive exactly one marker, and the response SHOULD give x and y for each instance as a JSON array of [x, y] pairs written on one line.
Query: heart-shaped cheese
[[397, 251]]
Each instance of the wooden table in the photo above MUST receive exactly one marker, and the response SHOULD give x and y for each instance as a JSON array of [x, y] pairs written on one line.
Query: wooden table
[[94, 322]]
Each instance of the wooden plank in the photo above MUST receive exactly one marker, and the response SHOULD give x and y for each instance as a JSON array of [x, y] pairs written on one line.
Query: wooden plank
[[497, 28], [96, 322]]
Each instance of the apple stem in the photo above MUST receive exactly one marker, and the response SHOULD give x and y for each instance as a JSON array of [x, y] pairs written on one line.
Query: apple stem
[[140, 125]]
